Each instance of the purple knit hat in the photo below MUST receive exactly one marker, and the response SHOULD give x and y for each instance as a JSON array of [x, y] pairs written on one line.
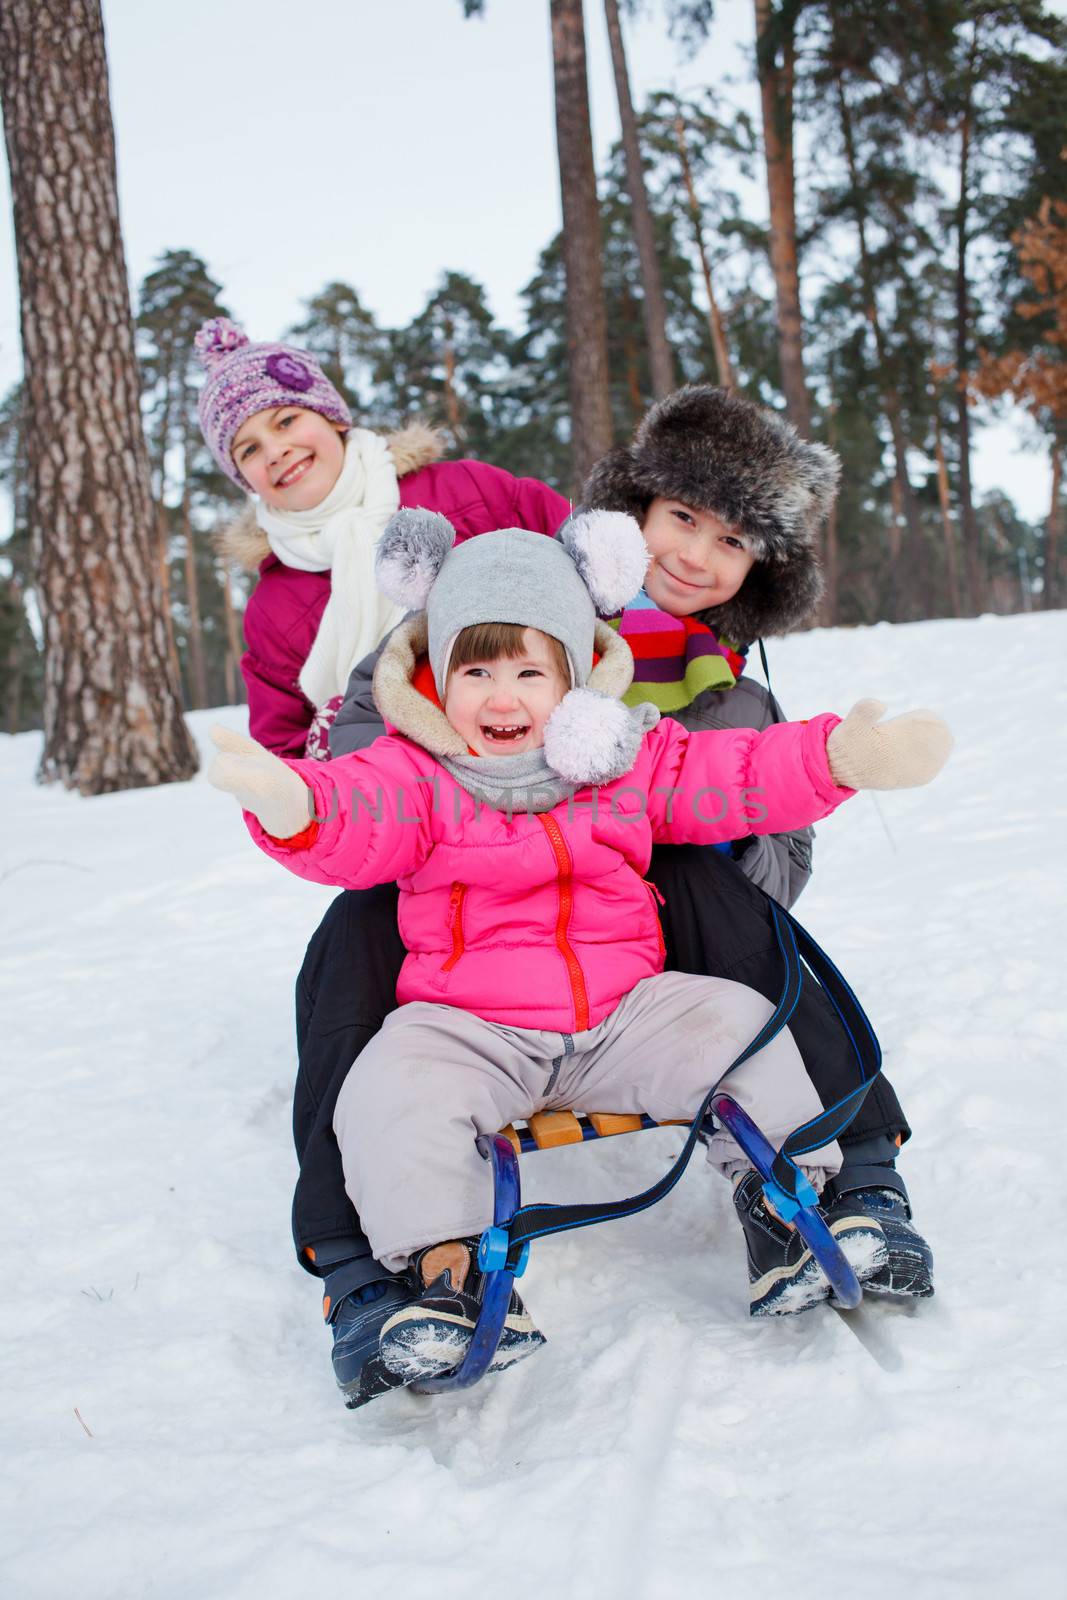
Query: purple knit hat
[[243, 378]]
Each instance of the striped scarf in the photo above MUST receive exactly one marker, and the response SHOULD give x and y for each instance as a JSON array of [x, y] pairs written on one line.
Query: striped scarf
[[675, 658]]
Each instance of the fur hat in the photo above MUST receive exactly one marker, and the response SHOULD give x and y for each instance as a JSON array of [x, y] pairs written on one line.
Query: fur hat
[[720, 453], [243, 378], [596, 561]]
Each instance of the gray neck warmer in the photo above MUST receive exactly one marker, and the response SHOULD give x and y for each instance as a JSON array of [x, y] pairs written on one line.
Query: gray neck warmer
[[512, 784]]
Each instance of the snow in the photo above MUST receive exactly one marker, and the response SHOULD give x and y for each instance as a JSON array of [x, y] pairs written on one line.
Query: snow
[[170, 1426]]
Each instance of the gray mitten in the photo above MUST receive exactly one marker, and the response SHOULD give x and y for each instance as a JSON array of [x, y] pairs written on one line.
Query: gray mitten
[[263, 784], [906, 751]]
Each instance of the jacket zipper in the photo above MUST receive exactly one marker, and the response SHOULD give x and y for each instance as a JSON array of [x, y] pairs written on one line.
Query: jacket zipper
[[565, 887], [455, 924]]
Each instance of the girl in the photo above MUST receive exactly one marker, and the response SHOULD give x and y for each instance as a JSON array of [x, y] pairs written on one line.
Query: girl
[[324, 491], [479, 1036]]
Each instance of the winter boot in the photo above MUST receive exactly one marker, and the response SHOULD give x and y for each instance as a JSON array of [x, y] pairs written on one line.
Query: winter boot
[[880, 1193], [432, 1334], [358, 1297], [783, 1275]]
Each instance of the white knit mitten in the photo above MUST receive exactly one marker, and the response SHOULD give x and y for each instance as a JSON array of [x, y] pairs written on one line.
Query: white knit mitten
[[906, 751], [263, 784]]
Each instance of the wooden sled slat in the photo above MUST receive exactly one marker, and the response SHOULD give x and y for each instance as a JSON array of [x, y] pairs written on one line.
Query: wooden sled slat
[[608, 1122], [552, 1128]]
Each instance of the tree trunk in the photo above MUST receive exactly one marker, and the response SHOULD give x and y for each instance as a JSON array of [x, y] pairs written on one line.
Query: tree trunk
[[198, 696], [968, 521], [112, 707], [630, 359], [654, 308], [234, 694], [162, 522], [949, 532], [715, 327], [1053, 529], [776, 95], [587, 328], [452, 411], [13, 672]]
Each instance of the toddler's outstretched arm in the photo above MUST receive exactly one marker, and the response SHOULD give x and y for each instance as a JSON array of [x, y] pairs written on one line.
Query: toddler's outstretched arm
[[354, 822], [788, 775]]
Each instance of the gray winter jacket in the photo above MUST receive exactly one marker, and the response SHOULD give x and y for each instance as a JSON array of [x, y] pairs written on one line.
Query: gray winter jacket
[[779, 863]]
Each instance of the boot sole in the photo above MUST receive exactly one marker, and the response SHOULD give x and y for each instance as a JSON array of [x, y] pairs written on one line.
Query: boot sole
[[783, 1291], [415, 1344]]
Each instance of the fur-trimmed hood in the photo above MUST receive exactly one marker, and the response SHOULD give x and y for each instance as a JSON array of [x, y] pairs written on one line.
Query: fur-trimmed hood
[[720, 453], [415, 716], [412, 447]]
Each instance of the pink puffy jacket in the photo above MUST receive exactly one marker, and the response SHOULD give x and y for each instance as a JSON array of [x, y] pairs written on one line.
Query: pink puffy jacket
[[545, 920]]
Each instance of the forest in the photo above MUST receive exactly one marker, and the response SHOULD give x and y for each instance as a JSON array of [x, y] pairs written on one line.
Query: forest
[[881, 256]]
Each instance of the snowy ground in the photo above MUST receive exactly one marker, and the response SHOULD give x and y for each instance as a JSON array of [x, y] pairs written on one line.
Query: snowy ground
[[170, 1426]]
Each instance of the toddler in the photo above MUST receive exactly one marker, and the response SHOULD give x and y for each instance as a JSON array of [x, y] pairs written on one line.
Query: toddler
[[516, 805]]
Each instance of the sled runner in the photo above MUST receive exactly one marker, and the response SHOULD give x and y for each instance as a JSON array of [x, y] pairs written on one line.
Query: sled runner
[[504, 1248]]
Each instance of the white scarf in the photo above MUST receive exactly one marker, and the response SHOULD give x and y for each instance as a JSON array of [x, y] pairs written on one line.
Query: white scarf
[[340, 536]]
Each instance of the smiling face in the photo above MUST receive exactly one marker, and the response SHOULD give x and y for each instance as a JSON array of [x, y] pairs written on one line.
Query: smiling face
[[290, 457], [697, 560], [500, 704]]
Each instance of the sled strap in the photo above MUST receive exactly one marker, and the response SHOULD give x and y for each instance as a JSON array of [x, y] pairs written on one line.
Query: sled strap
[[537, 1221]]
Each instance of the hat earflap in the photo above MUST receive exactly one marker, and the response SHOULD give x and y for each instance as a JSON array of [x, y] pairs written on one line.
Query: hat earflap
[[611, 555], [411, 552]]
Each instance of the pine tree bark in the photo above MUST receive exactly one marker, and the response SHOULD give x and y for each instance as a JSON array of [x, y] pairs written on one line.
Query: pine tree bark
[[112, 706], [587, 327], [653, 306], [776, 96]]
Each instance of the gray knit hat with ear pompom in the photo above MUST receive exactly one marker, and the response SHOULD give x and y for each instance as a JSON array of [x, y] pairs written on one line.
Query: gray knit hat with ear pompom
[[597, 561], [514, 575]]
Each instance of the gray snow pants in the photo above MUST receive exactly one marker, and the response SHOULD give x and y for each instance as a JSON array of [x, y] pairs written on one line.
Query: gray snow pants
[[435, 1077]]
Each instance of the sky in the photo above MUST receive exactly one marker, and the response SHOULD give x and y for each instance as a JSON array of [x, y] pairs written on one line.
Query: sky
[[379, 144]]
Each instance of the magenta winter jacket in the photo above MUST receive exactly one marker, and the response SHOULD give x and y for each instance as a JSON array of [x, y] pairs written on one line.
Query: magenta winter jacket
[[545, 921], [286, 606]]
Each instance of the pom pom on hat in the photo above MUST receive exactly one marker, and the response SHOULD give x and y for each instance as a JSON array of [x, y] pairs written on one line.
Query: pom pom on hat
[[411, 550], [591, 738], [218, 339], [611, 555]]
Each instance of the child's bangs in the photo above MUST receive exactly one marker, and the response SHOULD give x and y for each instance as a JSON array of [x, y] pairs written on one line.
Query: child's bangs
[[488, 641]]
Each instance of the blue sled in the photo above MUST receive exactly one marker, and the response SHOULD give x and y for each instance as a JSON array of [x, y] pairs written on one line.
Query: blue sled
[[500, 1278]]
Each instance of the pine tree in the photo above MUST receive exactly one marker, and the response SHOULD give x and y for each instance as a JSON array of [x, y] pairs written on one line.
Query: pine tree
[[653, 306], [345, 338], [175, 299], [449, 365]]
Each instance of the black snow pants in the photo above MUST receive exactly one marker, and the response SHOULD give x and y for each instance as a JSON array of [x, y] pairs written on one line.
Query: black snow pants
[[714, 921]]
